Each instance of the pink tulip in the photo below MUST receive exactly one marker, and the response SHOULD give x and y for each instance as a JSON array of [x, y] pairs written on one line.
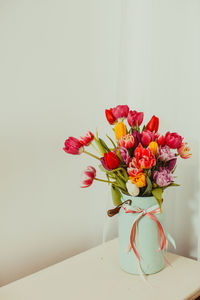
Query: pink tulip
[[173, 140], [87, 139], [73, 146], [88, 176], [135, 117], [184, 151], [120, 111], [147, 137], [127, 141]]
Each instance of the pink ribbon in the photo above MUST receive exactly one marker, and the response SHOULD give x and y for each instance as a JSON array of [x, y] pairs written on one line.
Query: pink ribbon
[[151, 214]]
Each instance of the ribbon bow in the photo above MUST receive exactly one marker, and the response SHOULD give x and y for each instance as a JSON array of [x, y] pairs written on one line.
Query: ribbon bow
[[150, 212]]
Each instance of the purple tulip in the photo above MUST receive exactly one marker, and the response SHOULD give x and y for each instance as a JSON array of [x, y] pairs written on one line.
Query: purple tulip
[[163, 177], [125, 155], [165, 154], [170, 164], [137, 137], [104, 164]]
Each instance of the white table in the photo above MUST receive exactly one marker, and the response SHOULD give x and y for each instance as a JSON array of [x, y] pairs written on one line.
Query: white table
[[95, 274]]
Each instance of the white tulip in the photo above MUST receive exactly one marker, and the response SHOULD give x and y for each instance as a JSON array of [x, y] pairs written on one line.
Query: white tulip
[[132, 188]]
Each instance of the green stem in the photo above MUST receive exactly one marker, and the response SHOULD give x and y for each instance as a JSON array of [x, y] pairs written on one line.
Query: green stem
[[107, 181], [121, 176], [88, 153]]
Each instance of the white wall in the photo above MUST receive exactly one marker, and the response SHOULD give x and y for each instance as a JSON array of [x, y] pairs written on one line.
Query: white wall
[[62, 63], [58, 73]]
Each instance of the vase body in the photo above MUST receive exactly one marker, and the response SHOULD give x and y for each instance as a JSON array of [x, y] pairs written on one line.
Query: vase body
[[152, 260]]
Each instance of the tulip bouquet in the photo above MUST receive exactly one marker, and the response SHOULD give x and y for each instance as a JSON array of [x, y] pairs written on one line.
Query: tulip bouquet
[[140, 162]]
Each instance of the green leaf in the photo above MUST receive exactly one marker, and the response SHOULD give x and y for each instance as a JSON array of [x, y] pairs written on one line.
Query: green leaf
[[116, 195], [103, 144], [171, 184], [174, 184], [157, 193], [148, 188], [137, 127], [101, 149], [111, 141], [97, 135], [143, 129], [125, 174], [121, 175]]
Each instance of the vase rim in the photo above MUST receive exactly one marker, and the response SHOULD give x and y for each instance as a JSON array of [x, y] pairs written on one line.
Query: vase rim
[[137, 197]]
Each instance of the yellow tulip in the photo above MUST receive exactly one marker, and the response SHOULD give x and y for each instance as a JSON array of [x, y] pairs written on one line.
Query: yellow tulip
[[120, 130], [154, 147], [139, 179]]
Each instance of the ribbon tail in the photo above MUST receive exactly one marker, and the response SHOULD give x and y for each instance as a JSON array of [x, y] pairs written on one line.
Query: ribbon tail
[[133, 235], [171, 240], [142, 274], [167, 261]]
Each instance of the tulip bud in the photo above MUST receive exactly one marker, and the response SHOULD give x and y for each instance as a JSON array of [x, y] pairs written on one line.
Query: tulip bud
[[132, 188], [153, 124], [111, 160], [109, 116], [154, 147]]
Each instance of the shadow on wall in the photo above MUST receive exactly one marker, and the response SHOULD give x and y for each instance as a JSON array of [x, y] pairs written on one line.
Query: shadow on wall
[[182, 207]]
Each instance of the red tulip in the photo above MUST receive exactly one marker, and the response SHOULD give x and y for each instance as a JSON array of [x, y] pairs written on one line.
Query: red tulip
[[109, 116], [161, 140], [111, 160], [173, 140], [88, 176], [144, 158], [73, 146], [87, 139], [153, 124]]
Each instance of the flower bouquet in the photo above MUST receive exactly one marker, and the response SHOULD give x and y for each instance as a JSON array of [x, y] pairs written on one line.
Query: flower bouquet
[[139, 165]]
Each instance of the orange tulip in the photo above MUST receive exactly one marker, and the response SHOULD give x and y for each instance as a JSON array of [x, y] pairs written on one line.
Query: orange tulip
[[139, 179]]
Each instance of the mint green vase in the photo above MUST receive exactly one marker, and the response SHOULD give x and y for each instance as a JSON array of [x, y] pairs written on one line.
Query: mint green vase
[[152, 260]]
